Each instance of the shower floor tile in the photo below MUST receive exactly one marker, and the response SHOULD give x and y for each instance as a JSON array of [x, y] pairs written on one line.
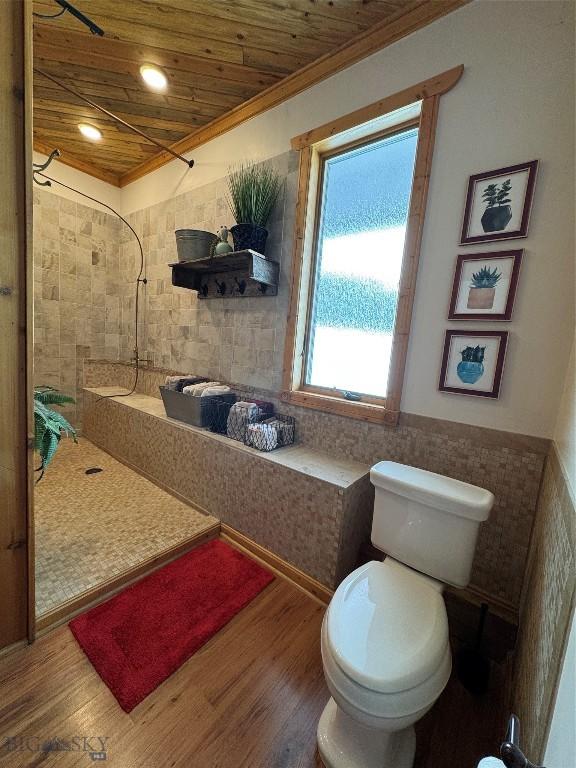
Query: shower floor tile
[[90, 528]]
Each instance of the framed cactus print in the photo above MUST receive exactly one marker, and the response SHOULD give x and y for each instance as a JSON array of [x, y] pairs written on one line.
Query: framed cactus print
[[473, 362], [498, 204], [484, 286]]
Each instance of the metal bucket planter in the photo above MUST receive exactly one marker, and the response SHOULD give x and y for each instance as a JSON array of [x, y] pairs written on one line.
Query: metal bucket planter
[[195, 244]]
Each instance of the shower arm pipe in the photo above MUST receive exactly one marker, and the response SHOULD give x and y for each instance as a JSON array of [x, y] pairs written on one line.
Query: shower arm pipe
[[189, 163]]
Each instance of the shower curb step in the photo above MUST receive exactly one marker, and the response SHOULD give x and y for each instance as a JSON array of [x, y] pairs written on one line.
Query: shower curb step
[[107, 589]]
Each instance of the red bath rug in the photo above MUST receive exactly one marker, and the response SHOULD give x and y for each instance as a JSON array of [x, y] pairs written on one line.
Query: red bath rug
[[140, 637]]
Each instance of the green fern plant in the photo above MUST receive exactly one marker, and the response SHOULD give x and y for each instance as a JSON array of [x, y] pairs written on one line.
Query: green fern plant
[[49, 424], [485, 278], [252, 193]]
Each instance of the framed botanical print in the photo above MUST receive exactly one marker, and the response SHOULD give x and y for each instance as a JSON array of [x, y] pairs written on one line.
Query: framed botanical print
[[472, 362], [485, 285], [498, 204]]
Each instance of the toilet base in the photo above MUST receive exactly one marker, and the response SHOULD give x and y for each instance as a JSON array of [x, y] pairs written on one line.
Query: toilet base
[[345, 743]]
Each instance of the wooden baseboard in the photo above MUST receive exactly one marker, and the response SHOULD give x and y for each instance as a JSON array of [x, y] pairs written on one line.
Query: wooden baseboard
[[107, 589], [13, 648], [476, 596], [275, 563]]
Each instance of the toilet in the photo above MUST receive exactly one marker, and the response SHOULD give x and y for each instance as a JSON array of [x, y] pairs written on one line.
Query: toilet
[[385, 647]]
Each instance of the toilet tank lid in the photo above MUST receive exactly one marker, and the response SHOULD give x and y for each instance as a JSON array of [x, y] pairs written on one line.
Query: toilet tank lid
[[438, 491]]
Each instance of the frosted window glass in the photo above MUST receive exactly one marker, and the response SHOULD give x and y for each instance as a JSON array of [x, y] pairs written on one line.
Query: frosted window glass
[[362, 225]]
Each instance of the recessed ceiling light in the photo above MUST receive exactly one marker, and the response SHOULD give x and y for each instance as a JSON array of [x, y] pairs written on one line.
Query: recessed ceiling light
[[154, 77], [90, 131]]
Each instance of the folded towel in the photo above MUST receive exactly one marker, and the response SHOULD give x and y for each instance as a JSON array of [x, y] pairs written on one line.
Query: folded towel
[[264, 437], [241, 414], [177, 383], [197, 389], [222, 389], [171, 382], [284, 429], [189, 382]]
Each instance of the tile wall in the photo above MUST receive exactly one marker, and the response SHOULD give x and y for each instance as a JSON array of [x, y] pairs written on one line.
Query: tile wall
[[76, 286], [234, 339], [548, 602]]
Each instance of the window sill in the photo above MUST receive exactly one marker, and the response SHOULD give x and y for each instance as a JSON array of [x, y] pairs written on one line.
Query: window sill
[[377, 414]]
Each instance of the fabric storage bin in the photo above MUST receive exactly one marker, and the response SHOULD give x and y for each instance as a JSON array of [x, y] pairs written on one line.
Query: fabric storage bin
[[239, 418], [198, 411], [271, 433]]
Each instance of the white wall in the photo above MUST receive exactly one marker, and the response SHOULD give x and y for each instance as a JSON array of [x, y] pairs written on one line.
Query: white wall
[[100, 190], [514, 103]]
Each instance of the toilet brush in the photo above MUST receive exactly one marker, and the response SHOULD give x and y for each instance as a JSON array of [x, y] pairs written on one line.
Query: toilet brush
[[472, 667]]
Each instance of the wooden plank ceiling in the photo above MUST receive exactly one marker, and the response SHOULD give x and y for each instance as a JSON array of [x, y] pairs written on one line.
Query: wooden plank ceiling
[[216, 55]]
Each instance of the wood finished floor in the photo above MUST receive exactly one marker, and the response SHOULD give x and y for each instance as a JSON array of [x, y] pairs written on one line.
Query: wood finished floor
[[250, 698]]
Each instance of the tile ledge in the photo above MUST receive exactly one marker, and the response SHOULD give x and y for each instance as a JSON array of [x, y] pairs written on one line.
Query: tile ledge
[[342, 473]]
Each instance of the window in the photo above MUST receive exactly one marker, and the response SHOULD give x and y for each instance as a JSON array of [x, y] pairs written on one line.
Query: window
[[364, 199], [361, 201]]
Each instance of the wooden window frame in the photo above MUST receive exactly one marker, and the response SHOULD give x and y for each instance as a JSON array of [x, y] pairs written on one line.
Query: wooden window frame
[[313, 146]]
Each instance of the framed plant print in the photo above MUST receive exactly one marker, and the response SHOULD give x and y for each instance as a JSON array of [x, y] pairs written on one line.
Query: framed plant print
[[484, 286], [498, 204], [472, 362]]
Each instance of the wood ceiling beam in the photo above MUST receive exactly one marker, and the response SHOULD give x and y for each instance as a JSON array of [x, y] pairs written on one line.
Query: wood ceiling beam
[[118, 55], [117, 143], [165, 24], [192, 90], [86, 113], [79, 165], [133, 32], [275, 61], [297, 21], [166, 111], [374, 39], [110, 133], [364, 12], [105, 94]]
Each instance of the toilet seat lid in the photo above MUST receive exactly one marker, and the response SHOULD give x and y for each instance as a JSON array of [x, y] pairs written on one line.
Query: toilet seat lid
[[387, 627]]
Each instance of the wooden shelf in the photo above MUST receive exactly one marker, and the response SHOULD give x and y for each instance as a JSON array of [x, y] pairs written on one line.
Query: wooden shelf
[[235, 275]]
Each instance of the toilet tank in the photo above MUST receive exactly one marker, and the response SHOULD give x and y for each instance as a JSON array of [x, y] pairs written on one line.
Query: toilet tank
[[428, 521]]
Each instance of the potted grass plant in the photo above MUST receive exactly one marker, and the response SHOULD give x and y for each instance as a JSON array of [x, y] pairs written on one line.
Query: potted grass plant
[[49, 425], [252, 193]]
